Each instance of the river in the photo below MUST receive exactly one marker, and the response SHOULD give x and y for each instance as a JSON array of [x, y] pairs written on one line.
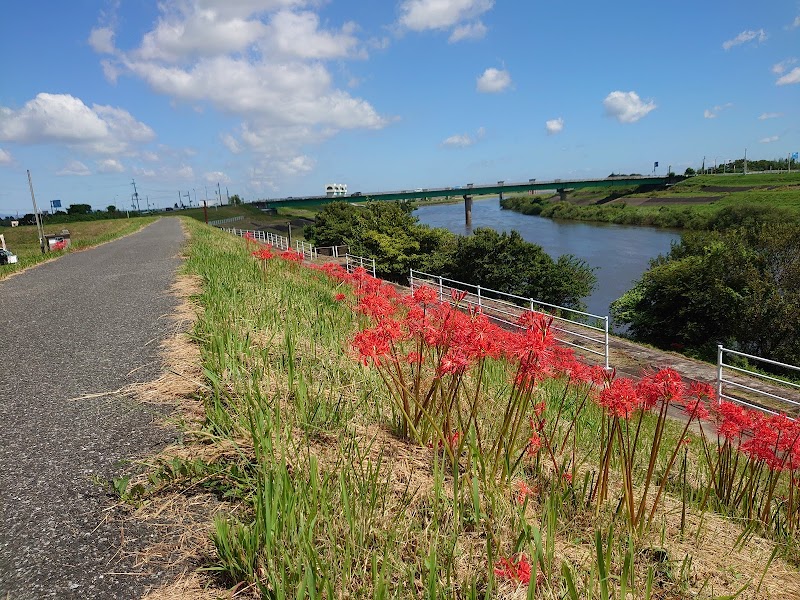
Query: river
[[619, 254]]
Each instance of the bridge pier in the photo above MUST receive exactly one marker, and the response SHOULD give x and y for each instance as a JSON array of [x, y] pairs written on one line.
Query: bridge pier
[[468, 209], [562, 194]]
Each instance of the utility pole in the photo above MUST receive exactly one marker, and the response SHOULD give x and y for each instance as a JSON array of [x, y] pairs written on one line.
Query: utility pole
[[205, 210], [219, 191], [135, 195], [227, 196], [39, 227]]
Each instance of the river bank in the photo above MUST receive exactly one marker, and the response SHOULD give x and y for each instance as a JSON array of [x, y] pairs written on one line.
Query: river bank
[[618, 254]]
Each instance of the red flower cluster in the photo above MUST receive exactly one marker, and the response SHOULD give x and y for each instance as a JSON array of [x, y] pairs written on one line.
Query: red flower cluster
[[60, 245], [623, 397], [291, 256], [264, 253], [517, 568]]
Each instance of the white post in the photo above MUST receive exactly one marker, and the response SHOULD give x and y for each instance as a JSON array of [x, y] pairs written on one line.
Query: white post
[[480, 305], [606, 327], [441, 291], [720, 349]]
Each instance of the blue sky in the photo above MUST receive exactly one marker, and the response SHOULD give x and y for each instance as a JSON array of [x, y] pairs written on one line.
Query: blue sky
[[274, 98]]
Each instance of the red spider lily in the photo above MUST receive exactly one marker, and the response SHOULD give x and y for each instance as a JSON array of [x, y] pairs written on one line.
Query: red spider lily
[[524, 492], [265, 253], [665, 385], [425, 295], [340, 297], [732, 420], [567, 477], [517, 568], [291, 256], [373, 346], [620, 398], [60, 245], [534, 443]]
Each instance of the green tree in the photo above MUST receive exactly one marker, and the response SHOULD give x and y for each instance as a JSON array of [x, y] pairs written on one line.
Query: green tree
[[235, 200], [740, 287], [79, 209], [111, 208]]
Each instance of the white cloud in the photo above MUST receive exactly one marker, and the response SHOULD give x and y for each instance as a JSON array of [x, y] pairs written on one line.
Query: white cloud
[[468, 31], [765, 116], [554, 126], [627, 107], [780, 68], [109, 165], [185, 172], [744, 37], [796, 22], [713, 113], [263, 61], [216, 177], [298, 35], [231, 144], [61, 118], [791, 77], [459, 141], [150, 156], [5, 157], [101, 39], [464, 139], [769, 140], [420, 15], [74, 167], [494, 80]]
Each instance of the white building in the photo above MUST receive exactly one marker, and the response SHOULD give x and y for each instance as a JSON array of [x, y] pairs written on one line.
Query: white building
[[334, 190]]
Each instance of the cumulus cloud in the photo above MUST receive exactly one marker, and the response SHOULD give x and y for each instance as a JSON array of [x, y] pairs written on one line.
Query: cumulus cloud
[[769, 140], [749, 35], [5, 157], [713, 113], [627, 107], [74, 167], [101, 39], [463, 140], [216, 177], [468, 31], [796, 22], [420, 15], [772, 115], [790, 78], [262, 61], [62, 118], [493, 81], [109, 165], [554, 126]]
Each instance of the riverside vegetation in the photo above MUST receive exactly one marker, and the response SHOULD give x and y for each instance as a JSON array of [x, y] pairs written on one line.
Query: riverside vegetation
[[380, 445], [735, 276]]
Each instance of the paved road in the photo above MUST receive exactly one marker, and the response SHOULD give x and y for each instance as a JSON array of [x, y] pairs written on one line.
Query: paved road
[[79, 325]]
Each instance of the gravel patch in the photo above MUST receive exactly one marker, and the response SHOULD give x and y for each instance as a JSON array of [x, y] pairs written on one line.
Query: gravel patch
[[87, 323]]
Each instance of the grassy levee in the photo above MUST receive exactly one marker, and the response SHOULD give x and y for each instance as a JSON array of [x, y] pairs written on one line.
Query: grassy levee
[[24, 240], [690, 204], [327, 500]]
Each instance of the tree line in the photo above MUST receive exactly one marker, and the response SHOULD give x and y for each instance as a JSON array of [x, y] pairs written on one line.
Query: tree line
[[738, 283], [505, 262]]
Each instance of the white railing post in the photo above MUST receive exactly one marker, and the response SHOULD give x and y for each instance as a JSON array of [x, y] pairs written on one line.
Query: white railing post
[[373, 268], [441, 290], [480, 305], [720, 350], [606, 328]]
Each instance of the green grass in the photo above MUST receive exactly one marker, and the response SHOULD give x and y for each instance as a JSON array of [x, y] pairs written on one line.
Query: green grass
[[24, 240], [325, 500]]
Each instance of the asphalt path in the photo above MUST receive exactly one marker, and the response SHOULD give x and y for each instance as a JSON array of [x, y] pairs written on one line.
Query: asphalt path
[[87, 323]]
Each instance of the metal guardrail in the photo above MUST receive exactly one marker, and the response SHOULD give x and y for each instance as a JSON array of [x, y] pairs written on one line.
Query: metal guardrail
[[306, 249], [267, 237], [352, 262], [755, 395], [589, 334], [218, 222]]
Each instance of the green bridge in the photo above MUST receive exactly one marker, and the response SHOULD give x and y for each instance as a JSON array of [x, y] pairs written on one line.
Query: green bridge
[[561, 186]]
